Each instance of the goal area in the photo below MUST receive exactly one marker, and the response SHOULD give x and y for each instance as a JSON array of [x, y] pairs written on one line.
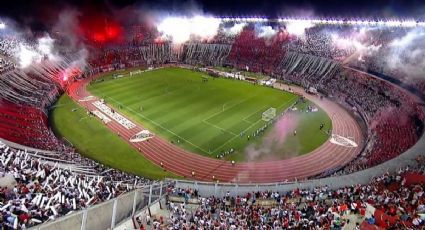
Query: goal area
[[269, 114]]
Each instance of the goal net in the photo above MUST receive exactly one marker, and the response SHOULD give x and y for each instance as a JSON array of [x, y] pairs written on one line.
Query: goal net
[[269, 114]]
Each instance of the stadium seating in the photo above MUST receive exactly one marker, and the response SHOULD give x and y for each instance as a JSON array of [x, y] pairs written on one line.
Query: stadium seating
[[258, 54], [47, 187], [27, 126], [371, 98], [394, 124], [383, 203]]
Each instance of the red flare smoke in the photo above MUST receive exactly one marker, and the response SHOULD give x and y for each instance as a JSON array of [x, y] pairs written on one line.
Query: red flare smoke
[[100, 29]]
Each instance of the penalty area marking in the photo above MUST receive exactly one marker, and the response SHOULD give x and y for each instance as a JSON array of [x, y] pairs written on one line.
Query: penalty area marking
[[224, 109], [285, 104], [205, 120], [218, 127]]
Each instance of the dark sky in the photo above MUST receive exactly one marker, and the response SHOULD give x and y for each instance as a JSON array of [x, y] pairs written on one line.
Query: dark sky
[[39, 14]]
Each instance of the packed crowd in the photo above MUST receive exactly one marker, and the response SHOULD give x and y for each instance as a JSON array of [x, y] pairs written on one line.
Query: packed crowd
[[314, 55], [49, 185], [206, 54], [395, 122], [318, 41], [6, 65], [27, 126], [250, 52], [391, 201], [129, 56]]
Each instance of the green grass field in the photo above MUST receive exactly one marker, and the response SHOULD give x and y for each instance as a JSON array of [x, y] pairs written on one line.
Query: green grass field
[[270, 146], [206, 118], [203, 117], [96, 141]]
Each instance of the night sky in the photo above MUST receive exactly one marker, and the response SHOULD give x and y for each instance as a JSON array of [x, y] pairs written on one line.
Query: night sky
[[38, 14]]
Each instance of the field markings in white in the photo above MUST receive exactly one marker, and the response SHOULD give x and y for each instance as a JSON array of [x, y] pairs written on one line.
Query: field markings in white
[[207, 122], [222, 111], [225, 109], [157, 124], [231, 139], [249, 115], [218, 127], [280, 107]]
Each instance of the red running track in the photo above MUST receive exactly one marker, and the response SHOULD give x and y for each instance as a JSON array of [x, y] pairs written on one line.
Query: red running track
[[181, 162]]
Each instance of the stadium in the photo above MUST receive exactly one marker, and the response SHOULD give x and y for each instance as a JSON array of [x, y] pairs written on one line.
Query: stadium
[[135, 118]]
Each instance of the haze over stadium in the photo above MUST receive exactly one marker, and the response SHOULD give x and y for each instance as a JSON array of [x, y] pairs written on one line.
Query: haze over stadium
[[212, 115]]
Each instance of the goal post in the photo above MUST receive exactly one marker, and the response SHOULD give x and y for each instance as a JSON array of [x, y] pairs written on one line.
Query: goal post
[[269, 114]]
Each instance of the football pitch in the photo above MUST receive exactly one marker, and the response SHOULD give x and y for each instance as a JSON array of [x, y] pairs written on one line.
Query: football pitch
[[200, 113], [207, 118]]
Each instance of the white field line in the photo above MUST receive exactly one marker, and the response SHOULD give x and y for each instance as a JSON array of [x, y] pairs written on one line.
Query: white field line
[[221, 111], [245, 118], [208, 152], [231, 139], [159, 125], [218, 127], [224, 110]]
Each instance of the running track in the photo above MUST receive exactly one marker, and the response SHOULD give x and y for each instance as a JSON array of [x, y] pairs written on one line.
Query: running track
[[181, 162]]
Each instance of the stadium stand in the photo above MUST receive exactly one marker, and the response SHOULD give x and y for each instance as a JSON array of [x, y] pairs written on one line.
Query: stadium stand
[[252, 53], [390, 201], [49, 186], [55, 180]]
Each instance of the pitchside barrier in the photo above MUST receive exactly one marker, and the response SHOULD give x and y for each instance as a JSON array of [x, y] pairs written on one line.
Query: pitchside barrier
[[120, 210], [408, 158], [109, 214]]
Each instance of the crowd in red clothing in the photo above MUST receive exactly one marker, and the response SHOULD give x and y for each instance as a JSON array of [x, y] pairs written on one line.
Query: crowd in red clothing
[[254, 53], [377, 101], [394, 120], [387, 202], [26, 125]]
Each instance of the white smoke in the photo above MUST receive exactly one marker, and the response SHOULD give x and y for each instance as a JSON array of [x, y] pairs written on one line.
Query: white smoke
[[80, 60], [67, 28], [298, 27], [407, 40], [27, 50], [45, 46], [180, 29], [235, 29], [407, 54], [355, 43], [78, 64], [266, 31], [26, 54]]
